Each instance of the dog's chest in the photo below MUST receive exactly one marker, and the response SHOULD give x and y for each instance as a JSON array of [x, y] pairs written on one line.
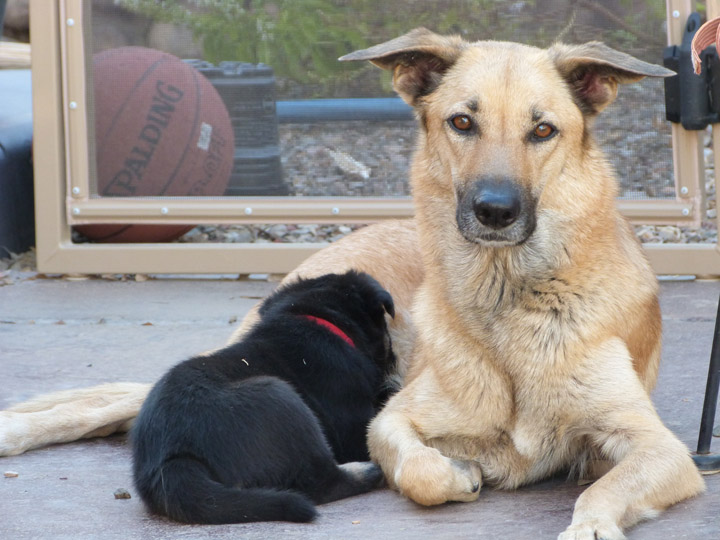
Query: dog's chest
[[538, 332], [534, 323], [536, 442], [542, 433]]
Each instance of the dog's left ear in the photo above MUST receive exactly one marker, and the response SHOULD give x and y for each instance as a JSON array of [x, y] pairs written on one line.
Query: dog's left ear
[[418, 60], [594, 70]]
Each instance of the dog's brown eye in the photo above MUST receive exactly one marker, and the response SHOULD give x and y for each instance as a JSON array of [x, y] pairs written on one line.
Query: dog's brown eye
[[543, 131], [461, 122]]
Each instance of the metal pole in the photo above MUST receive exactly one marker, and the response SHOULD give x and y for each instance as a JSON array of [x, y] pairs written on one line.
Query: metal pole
[[704, 459], [343, 110], [711, 393]]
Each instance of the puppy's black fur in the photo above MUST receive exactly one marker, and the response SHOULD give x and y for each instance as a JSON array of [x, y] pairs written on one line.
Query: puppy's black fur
[[255, 431]]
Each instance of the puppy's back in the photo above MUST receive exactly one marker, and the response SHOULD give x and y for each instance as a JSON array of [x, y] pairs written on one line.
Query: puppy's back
[[208, 452]]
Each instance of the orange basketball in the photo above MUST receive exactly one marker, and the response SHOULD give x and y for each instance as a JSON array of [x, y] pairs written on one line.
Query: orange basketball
[[161, 129]]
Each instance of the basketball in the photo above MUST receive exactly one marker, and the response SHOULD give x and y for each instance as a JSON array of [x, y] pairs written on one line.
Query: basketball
[[161, 130]]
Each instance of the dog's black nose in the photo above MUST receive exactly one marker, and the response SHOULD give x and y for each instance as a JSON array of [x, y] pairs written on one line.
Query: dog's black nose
[[497, 204]]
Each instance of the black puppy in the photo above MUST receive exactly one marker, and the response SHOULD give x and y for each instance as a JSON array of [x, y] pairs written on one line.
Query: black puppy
[[255, 431]]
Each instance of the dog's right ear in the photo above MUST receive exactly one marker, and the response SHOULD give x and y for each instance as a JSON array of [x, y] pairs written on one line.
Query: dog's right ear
[[417, 60]]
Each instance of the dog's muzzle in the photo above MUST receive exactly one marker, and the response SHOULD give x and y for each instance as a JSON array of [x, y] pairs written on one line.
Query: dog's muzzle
[[495, 211]]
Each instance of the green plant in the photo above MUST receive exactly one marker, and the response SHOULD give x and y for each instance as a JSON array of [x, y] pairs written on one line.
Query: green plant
[[299, 39], [302, 39]]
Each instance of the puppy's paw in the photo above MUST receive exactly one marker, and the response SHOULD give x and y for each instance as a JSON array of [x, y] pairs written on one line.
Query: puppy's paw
[[365, 472], [595, 529], [429, 478]]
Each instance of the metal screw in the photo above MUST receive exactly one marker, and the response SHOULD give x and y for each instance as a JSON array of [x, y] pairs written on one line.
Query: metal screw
[[70, 22], [676, 14], [684, 190], [248, 211], [76, 191], [73, 105], [76, 211], [164, 210], [335, 211], [685, 211]]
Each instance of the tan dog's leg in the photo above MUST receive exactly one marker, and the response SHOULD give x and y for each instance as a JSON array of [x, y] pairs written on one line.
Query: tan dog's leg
[[653, 468], [70, 415], [418, 471]]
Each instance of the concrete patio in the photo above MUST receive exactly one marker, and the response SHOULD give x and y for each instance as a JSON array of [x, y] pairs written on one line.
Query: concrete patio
[[58, 334]]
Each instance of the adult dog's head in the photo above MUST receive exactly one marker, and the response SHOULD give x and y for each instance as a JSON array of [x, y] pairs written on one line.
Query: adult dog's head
[[505, 127]]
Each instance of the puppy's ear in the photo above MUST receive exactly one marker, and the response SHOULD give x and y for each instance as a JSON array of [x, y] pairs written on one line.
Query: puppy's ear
[[417, 60], [380, 295], [594, 70], [387, 302]]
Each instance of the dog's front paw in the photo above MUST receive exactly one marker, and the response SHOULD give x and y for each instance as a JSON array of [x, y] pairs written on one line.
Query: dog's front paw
[[429, 478], [595, 529]]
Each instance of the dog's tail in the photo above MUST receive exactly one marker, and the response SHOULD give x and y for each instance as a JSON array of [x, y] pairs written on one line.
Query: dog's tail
[[185, 491]]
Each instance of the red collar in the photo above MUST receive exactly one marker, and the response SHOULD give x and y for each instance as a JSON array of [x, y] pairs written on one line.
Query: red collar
[[334, 329]]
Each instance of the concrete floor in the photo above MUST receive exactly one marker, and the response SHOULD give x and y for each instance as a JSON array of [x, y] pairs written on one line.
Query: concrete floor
[[57, 334]]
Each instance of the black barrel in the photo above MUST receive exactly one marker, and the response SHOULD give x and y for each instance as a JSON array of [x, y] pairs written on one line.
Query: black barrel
[[248, 91]]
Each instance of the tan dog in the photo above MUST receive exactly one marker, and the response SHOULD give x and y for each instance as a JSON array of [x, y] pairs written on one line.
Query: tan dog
[[535, 335], [538, 326]]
